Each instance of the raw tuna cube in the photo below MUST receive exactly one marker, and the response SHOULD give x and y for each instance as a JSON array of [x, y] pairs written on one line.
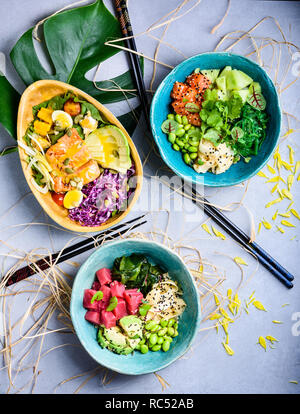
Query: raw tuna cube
[[106, 293], [117, 289], [120, 310], [102, 305], [133, 299], [96, 285], [108, 319], [88, 294], [93, 317], [104, 276]]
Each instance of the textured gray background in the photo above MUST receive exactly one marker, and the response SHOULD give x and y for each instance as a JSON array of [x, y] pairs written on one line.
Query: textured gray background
[[207, 368]]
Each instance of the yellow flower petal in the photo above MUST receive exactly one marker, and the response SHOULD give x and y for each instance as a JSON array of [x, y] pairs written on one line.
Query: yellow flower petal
[[291, 154], [287, 166], [259, 228], [274, 188], [297, 166], [217, 301], [267, 225], [261, 174], [262, 342], [274, 217], [218, 233], [287, 194], [285, 214], [290, 181], [258, 305], [228, 349], [295, 213], [287, 223], [206, 228], [277, 200], [240, 261], [271, 338], [280, 229], [271, 169], [278, 322]]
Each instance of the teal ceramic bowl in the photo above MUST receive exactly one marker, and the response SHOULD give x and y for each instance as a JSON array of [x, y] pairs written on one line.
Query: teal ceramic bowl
[[136, 363], [160, 108]]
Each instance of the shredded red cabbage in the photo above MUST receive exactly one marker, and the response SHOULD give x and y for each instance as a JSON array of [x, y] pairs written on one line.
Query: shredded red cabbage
[[107, 194]]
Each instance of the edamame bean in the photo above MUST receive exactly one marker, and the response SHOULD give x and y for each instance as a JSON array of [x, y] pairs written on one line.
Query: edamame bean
[[183, 150], [171, 137], [166, 346], [179, 143], [192, 149], [153, 339], [175, 325], [171, 116], [155, 328], [175, 147], [185, 120], [147, 335], [163, 323], [178, 118], [171, 322], [142, 341], [180, 132], [144, 349], [138, 347], [168, 338], [175, 334], [193, 155], [156, 348], [171, 331], [162, 332], [187, 145], [187, 159], [160, 340], [187, 127], [149, 325]]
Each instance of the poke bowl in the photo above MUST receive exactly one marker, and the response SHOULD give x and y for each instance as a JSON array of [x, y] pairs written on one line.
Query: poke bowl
[[77, 158], [216, 119], [157, 338]]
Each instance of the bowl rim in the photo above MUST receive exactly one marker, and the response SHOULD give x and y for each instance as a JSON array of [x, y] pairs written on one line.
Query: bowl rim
[[200, 179], [191, 278]]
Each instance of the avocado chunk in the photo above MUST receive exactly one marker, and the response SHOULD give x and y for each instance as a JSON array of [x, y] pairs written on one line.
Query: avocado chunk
[[109, 147], [132, 326]]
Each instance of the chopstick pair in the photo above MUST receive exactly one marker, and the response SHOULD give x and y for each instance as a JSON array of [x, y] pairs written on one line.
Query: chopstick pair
[[72, 251], [215, 214]]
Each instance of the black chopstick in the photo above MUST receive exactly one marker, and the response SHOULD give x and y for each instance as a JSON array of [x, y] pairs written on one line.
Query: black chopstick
[[123, 17], [71, 251], [235, 232]]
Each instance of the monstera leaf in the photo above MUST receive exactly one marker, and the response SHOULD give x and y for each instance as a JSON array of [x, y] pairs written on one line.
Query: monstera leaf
[[74, 42]]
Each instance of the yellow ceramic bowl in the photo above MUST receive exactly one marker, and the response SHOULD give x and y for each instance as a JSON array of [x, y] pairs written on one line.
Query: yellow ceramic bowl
[[44, 90]]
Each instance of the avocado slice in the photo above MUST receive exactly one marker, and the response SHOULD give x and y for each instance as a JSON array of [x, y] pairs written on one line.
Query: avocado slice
[[132, 326], [109, 147], [236, 79], [103, 342], [117, 341]]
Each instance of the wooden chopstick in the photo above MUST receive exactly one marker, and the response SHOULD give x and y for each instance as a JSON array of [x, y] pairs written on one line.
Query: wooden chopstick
[[72, 251], [215, 214]]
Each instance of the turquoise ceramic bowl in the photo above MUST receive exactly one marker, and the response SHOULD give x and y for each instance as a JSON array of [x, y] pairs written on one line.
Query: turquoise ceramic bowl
[[160, 108], [136, 363]]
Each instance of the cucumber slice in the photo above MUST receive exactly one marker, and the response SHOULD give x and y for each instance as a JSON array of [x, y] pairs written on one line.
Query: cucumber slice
[[211, 74], [236, 79]]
